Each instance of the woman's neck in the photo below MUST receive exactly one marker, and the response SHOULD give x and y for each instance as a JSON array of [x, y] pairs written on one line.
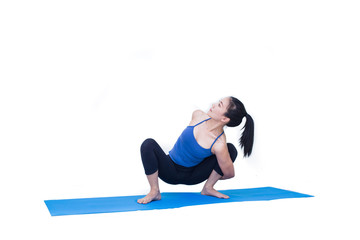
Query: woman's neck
[[214, 126]]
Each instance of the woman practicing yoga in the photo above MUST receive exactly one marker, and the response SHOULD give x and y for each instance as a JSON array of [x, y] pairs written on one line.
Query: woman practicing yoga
[[201, 152]]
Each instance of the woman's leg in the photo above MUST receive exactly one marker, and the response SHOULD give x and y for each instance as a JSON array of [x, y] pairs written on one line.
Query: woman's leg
[[210, 170], [156, 163], [216, 175], [208, 188], [154, 193]]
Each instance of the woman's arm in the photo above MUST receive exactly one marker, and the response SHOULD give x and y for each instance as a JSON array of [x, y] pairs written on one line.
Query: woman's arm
[[223, 157]]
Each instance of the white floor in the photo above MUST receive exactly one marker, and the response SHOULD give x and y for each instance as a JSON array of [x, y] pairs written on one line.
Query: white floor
[[312, 218], [82, 84]]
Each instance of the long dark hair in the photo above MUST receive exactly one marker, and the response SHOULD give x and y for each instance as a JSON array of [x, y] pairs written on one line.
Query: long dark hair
[[236, 112]]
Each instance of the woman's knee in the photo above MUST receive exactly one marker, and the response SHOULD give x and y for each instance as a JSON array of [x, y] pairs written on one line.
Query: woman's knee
[[232, 151], [147, 156], [147, 144]]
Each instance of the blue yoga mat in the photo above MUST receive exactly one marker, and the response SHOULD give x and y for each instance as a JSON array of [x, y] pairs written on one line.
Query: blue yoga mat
[[168, 200]]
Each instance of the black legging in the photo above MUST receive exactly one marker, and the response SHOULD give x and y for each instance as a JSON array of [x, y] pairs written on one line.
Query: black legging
[[154, 159]]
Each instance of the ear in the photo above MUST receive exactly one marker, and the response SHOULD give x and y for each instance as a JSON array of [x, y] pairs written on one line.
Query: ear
[[225, 120]]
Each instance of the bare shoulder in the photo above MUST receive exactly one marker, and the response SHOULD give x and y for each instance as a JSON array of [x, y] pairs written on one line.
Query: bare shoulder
[[197, 116], [220, 145]]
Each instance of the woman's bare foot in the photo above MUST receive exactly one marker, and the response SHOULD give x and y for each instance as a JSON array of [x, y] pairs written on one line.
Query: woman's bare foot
[[213, 192], [152, 196]]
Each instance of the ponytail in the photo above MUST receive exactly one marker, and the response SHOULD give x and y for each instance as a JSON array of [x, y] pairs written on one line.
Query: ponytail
[[236, 112], [247, 139]]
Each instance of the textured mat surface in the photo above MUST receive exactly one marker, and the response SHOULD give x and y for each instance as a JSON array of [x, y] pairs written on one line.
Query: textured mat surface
[[168, 200]]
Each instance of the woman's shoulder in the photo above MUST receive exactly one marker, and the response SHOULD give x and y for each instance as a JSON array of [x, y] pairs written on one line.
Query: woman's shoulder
[[198, 116], [220, 145]]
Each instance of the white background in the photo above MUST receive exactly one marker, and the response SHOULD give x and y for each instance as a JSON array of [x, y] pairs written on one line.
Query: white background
[[83, 83]]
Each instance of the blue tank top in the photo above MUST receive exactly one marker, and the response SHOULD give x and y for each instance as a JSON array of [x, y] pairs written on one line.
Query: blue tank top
[[187, 152]]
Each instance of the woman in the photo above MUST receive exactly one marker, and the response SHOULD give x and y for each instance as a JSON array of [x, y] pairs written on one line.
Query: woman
[[201, 152]]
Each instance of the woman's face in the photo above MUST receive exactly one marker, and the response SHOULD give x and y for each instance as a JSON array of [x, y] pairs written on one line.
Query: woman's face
[[218, 109]]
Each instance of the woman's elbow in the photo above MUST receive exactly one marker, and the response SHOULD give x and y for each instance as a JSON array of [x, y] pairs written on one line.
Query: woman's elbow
[[228, 175], [232, 172]]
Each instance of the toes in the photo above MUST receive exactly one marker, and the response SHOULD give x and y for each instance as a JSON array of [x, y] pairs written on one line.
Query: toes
[[223, 196], [141, 201], [149, 198]]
